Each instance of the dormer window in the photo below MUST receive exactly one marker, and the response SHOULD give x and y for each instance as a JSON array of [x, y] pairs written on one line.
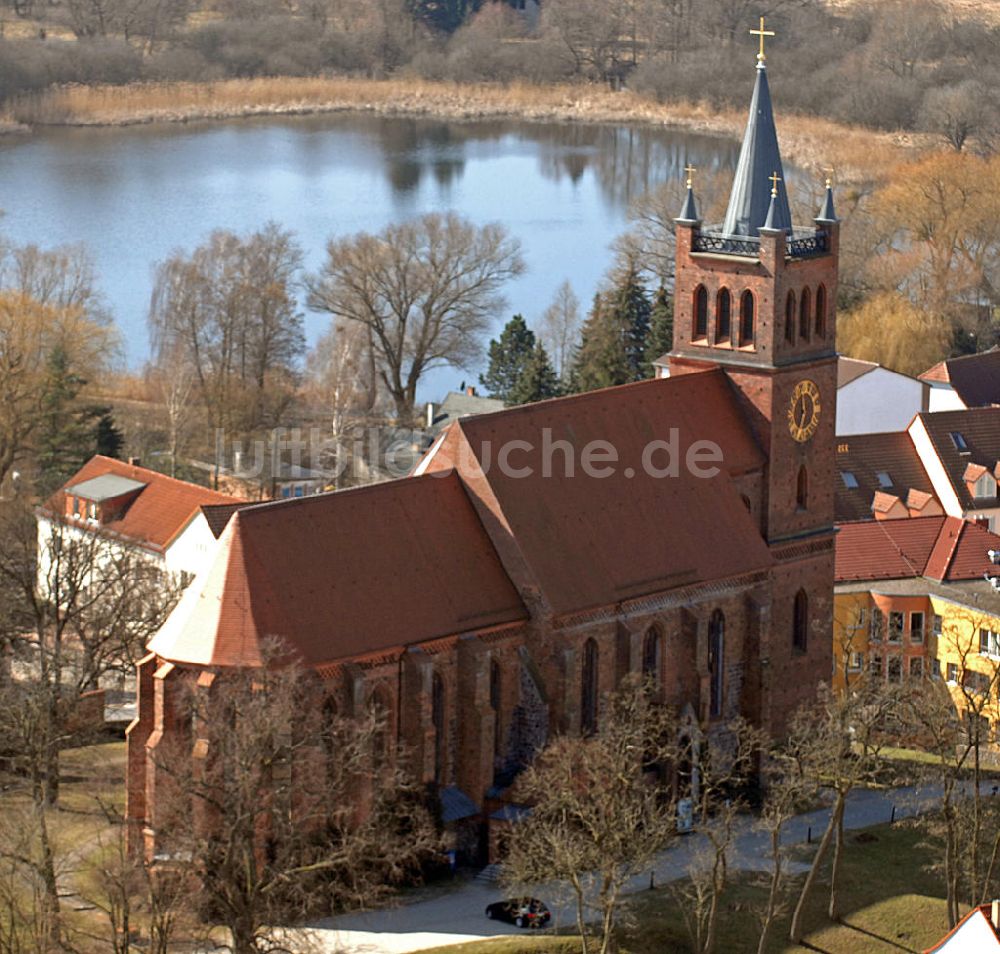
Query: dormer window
[[985, 487], [92, 510]]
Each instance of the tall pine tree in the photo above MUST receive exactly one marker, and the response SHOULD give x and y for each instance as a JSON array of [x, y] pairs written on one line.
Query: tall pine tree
[[509, 357], [661, 328], [539, 380], [613, 342]]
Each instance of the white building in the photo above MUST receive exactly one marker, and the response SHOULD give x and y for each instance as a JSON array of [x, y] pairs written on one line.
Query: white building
[[977, 933], [871, 399]]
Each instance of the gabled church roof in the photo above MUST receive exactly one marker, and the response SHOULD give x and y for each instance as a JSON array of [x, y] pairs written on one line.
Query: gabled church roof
[[760, 158]]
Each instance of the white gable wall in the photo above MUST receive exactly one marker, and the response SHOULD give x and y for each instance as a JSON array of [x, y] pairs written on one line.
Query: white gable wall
[[192, 549], [881, 400]]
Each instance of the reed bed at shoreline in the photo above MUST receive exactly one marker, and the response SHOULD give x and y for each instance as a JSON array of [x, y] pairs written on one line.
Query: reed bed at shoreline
[[807, 141]]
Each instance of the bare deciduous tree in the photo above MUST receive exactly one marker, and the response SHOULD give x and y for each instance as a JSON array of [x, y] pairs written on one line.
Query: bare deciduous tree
[[559, 328], [427, 290], [284, 808], [598, 816]]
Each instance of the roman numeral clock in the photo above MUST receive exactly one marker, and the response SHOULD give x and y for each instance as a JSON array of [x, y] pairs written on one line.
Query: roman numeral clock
[[803, 410]]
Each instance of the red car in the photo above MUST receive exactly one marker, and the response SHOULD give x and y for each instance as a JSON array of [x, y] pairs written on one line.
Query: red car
[[522, 912]]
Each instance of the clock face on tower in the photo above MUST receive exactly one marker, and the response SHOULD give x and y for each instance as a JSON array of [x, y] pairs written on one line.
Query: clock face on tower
[[803, 411]]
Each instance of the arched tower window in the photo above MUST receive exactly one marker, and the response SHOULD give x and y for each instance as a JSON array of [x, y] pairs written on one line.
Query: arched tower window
[[790, 318], [800, 622], [802, 489], [651, 656], [821, 312], [716, 661], [701, 312], [746, 318], [438, 721], [495, 704], [588, 689], [805, 315], [723, 317]]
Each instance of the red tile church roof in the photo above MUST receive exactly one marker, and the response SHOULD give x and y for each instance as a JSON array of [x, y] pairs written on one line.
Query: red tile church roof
[[344, 574], [594, 541], [942, 548], [158, 513]]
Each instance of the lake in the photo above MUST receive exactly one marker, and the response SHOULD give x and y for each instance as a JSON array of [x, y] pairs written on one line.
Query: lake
[[132, 195]]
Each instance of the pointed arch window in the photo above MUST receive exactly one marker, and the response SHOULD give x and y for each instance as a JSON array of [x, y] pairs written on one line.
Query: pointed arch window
[[588, 688], [802, 489], [746, 319], [438, 721], [496, 687], [800, 622], [821, 312], [723, 317], [716, 661], [805, 315], [790, 318], [701, 312], [652, 646]]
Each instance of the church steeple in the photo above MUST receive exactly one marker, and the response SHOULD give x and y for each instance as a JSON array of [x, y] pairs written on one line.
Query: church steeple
[[759, 159], [689, 212]]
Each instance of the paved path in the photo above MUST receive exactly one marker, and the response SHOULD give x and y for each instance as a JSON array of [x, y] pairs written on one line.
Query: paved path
[[458, 915]]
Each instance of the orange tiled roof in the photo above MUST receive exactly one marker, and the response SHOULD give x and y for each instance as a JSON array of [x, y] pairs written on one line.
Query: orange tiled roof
[[160, 510], [942, 548], [344, 574]]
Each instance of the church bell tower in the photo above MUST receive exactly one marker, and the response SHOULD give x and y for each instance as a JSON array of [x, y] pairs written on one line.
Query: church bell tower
[[756, 296]]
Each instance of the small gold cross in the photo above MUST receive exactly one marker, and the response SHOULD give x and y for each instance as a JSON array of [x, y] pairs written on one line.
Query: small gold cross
[[761, 33], [690, 170], [829, 177], [775, 179]]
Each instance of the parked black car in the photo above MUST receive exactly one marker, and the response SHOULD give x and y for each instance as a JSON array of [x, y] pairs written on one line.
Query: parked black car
[[524, 912]]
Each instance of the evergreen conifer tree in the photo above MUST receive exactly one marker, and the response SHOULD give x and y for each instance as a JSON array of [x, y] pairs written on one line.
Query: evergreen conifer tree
[[539, 380], [613, 342], [661, 327], [509, 356]]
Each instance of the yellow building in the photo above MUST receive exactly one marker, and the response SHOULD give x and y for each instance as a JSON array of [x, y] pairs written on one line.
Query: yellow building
[[915, 598]]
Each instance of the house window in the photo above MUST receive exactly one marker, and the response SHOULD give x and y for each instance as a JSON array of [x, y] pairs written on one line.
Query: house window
[[701, 312], [790, 318], [746, 319], [938, 623], [802, 489], [856, 662], [959, 441], [437, 720], [895, 627], [800, 621], [952, 671], [821, 312], [286, 492], [916, 667], [884, 479], [936, 668], [77, 508], [723, 317], [895, 669], [588, 689], [989, 643], [875, 665], [651, 657], [877, 626], [91, 510], [916, 627], [716, 659], [986, 486], [850, 481], [805, 316]]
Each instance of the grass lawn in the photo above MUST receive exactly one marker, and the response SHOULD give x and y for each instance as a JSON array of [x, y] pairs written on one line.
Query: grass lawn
[[891, 904]]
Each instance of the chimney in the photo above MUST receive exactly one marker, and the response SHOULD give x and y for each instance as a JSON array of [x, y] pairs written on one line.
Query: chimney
[[431, 413], [995, 914], [470, 391], [135, 462]]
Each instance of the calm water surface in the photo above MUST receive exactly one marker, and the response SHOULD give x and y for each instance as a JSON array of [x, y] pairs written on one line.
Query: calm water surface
[[133, 195]]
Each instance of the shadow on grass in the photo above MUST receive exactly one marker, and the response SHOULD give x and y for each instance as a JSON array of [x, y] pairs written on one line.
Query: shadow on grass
[[879, 937]]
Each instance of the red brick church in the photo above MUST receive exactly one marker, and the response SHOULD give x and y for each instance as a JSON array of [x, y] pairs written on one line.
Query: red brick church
[[495, 596]]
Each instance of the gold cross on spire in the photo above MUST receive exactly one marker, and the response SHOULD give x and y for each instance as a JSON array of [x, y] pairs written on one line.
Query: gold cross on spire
[[775, 179], [761, 32], [690, 170], [829, 177]]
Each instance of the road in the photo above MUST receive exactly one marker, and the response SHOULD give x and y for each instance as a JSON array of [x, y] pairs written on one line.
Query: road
[[451, 917]]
